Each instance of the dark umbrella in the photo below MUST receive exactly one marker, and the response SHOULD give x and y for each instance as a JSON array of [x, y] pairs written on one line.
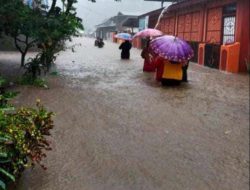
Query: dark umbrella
[[172, 48]]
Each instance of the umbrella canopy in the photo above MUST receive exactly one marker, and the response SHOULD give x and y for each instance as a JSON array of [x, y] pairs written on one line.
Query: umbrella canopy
[[149, 32], [172, 48], [123, 36]]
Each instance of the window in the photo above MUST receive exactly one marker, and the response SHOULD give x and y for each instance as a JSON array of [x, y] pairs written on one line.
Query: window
[[229, 30], [229, 20]]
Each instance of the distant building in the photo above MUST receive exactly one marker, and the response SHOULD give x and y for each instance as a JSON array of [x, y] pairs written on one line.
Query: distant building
[[119, 23], [217, 30]]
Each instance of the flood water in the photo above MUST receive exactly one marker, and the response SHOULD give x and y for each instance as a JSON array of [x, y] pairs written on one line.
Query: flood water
[[116, 128]]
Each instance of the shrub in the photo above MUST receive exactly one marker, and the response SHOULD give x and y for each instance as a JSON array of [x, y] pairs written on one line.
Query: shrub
[[23, 138], [28, 80]]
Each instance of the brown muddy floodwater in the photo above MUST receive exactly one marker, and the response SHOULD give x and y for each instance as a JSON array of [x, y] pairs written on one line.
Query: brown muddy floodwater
[[116, 128]]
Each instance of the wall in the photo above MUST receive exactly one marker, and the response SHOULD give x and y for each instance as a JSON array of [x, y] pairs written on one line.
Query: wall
[[242, 32]]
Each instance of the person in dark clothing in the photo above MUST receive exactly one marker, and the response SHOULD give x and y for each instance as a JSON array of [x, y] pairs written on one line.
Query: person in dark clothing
[[170, 82], [100, 43], [97, 41], [184, 71], [125, 47]]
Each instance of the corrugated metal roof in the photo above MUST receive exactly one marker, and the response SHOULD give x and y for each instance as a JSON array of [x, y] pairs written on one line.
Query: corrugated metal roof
[[120, 18]]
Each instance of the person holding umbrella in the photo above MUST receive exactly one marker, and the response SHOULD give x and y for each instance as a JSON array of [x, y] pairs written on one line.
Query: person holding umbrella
[[148, 57], [126, 45], [147, 54], [172, 62]]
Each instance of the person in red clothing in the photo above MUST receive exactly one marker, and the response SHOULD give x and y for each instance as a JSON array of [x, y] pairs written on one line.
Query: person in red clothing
[[159, 66], [148, 57]]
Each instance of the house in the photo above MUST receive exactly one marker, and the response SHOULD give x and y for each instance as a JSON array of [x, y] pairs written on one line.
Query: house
[[217, 30], [119, 23]]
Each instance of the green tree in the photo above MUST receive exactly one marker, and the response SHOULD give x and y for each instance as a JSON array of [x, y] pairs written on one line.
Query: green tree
[[34, 27]]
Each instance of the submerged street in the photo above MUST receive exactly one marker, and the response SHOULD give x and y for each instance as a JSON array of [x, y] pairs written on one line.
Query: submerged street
[[116, 128]]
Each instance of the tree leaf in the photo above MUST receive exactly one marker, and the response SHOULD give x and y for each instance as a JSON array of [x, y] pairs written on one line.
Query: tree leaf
[[2, 185], [7, 174]]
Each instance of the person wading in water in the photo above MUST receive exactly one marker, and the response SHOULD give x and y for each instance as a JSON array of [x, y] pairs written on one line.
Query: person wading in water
[[125, 47]]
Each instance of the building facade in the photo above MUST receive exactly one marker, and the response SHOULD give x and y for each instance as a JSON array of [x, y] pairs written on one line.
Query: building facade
[[217, 30]]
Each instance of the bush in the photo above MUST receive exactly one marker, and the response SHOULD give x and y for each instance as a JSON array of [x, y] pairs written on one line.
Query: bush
[[23, 141], [29, 80]]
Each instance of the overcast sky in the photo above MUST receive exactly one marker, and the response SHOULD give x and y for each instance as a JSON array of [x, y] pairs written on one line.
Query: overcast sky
[[94, 13]]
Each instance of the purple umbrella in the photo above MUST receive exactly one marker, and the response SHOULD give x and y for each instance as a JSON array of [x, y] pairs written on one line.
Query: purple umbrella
[[172, 48]]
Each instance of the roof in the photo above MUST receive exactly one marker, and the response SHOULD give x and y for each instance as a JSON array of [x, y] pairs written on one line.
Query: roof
[[131, 22], [120, 18], [183, 3], [108, 22], [132, 13], [157, 11]]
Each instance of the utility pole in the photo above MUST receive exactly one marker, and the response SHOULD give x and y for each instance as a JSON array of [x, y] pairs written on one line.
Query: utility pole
[[162, 2]]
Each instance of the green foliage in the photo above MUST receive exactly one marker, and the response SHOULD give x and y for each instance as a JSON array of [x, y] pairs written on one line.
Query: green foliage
[[5, 176], [34, 27], [54, 73], [27, 128], [23, 139], [2, 82], [29, 80], [5, 96]]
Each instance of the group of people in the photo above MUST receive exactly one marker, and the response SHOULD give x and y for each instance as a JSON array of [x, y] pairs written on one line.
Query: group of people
[[99, 42], [167, 72]]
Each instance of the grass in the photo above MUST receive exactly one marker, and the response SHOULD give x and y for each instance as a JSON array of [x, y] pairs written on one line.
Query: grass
[[38, 82], [54, 73]]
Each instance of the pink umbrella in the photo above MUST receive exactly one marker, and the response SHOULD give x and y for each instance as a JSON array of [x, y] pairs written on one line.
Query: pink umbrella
[[149, 32]]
